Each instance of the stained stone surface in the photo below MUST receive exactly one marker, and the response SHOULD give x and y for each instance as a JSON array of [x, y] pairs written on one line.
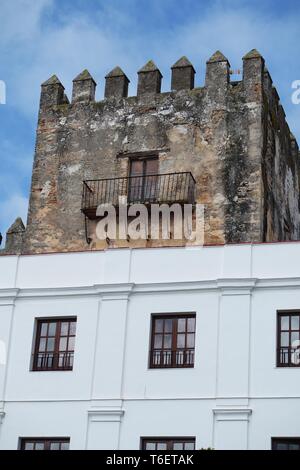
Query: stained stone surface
[[232, 136]]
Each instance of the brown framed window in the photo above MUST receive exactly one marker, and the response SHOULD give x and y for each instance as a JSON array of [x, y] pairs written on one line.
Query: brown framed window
[[48, 443], [286, 443], [172, 340], [143, 179], [168, 443], [54, 345], [288, 339]]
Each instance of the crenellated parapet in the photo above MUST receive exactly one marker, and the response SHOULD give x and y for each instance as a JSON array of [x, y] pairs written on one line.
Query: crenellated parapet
[[253, 68], [149, 79], [52, 92], [183, 75], [116, 84], [14, 238], [217, 71], [84, 88], [217, 81]]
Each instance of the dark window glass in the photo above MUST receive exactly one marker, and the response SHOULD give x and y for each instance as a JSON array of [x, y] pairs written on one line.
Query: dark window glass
[[143, 180], [55, 343], [286, 443], [45, 444], [288, 339], [168, 443], [173, 340]]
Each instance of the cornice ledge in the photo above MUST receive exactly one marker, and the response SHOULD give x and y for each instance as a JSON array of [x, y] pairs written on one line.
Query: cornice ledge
[[105, 291], [29, 293], [232, 414], [240, 286], [154, 287], [105, 414], [119, 291], [227, 286], [8, 296], [274, 283]]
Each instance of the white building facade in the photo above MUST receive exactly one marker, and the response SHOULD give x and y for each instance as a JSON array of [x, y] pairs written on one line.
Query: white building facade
[[231, 311]]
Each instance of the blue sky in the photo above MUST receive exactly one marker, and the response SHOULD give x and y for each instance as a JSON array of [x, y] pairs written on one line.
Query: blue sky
[[39, 38]]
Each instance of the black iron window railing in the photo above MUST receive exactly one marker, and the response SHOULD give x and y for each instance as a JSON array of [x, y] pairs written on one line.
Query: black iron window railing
[[288, 357], [53, 361], [147, 189], [172, 358]]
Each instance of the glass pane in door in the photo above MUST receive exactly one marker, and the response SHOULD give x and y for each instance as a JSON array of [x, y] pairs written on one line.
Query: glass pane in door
[[136, 181], [151, 180]]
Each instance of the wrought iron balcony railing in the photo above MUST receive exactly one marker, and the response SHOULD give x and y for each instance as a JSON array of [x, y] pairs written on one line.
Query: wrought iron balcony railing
[[183, 357], [166, 188], [53, 361], [288, 357]]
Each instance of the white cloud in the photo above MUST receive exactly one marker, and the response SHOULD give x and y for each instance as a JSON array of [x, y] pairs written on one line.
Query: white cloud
[[78, 41], [21, 19]]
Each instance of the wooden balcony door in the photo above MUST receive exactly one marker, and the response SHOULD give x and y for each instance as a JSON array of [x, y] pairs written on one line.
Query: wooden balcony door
[[143, 180]]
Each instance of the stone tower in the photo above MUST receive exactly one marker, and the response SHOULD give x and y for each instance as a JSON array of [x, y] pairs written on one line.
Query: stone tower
[[230, 137]]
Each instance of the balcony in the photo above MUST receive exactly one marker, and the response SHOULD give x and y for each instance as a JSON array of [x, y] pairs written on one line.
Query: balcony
[[288, 357], [53, 361], [183, 357], [166, 188]]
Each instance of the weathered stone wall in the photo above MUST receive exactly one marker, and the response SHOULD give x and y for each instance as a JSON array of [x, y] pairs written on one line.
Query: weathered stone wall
[[232, 136], [280, 171]]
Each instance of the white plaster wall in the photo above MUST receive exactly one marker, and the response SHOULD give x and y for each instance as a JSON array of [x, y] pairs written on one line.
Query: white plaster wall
[[142, 382], [234, 397], [44, 419], [24, 384]]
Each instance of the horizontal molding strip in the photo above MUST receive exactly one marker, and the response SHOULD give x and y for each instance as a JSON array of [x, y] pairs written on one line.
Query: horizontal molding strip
[[118, 291]]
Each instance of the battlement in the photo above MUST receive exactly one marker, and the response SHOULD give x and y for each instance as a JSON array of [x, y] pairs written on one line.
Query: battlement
[[149, 82], [230, 136]]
